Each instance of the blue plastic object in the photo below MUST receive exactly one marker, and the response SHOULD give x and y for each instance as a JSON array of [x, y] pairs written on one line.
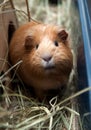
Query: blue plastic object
[[85, 16]]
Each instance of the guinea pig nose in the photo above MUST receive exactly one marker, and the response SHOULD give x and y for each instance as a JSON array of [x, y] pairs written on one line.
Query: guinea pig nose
[[47, 58]]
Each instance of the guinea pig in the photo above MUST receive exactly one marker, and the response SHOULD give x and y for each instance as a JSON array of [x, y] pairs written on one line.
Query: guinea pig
[[46, 56]]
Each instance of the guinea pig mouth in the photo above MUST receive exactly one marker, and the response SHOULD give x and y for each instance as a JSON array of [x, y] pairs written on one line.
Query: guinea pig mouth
[[49, 67]]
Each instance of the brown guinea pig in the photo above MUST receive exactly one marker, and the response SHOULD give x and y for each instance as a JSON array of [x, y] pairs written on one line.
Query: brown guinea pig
[[47, 58]]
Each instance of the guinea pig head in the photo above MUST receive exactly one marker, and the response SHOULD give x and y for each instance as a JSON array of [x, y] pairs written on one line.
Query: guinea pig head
[[48, 59]]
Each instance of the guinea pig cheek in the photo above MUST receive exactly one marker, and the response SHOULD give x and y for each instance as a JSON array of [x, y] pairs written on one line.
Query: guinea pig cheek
[[36, 61]]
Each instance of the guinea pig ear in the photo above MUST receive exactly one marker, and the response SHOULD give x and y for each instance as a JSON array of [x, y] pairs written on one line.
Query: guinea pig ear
[[28, 42], [63, 35]]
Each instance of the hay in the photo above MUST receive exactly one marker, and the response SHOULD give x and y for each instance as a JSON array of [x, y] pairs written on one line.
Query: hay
[[23, 113], [19, 112]]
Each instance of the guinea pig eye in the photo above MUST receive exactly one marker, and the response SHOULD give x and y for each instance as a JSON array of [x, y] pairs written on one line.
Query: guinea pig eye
[[56, 43], [37, 46]]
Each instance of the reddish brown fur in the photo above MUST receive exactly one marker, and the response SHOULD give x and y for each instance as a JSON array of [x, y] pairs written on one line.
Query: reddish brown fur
[[32, 71]]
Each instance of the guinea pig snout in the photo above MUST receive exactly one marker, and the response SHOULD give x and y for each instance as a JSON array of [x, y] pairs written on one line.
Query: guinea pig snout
[[47, 58], [47, 61]]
